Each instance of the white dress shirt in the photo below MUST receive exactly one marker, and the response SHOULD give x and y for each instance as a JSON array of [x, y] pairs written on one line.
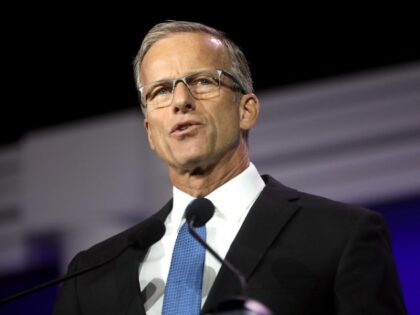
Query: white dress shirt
[[232, 202]]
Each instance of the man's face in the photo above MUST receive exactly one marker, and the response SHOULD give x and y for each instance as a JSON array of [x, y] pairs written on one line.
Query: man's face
[[191, 133]]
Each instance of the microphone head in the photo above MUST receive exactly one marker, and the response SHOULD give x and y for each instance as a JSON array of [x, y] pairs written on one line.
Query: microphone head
[[150, 234], [199, 211]]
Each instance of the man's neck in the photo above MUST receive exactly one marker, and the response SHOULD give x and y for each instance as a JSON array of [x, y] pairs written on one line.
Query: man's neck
[[200, 183]]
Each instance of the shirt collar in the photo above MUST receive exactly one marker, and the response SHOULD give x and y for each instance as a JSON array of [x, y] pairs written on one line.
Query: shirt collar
[[180, 202], [234, 197], [231, 199]]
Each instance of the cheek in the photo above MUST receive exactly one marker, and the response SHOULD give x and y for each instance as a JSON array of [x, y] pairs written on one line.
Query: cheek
[[154, 135], [228, 125], [159, 142]]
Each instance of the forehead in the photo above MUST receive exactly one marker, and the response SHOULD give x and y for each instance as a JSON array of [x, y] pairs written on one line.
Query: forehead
[[182, 53]]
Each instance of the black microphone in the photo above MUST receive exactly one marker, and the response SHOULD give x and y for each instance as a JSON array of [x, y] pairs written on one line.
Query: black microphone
[[198, 213], [151, 233]]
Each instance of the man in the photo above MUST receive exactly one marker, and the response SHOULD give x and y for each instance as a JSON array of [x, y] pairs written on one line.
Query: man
[[300, 254]]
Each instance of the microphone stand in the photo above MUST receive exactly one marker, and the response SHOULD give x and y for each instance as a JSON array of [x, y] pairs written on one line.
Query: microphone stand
[[152, 232], [217, 256], [49, 283], [237, 306]]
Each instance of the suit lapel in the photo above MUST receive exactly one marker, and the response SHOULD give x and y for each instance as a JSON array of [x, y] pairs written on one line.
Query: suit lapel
[[270, 213], [127, 268]]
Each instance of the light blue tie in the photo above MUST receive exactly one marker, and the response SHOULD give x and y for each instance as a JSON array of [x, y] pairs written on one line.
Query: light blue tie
[[183, 287]]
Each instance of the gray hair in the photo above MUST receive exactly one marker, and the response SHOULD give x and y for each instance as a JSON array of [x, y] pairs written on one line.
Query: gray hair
[[239, 64]]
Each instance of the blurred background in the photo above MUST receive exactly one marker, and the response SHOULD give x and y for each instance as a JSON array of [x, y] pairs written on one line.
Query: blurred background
[[340, 93]]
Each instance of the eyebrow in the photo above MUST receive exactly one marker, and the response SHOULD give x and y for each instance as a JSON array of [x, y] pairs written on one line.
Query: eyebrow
[[180, 76]]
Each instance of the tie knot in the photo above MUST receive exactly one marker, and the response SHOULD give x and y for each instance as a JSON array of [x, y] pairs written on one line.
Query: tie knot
[[199, 211]]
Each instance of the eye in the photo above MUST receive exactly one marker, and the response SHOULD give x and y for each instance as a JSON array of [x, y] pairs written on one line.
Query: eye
[[159, 91], [203, 80]]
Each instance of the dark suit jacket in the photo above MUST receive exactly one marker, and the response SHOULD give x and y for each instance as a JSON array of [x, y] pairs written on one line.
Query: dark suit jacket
[[300, 254]]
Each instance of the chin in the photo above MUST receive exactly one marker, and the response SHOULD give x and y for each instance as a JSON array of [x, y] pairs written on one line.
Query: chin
[[192, 163], [191, 156]]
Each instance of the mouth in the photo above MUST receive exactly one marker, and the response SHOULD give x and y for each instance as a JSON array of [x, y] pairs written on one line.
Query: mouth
[[184, 128]]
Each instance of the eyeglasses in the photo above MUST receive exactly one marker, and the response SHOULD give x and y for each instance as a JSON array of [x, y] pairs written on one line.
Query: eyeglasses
[[202, 85]]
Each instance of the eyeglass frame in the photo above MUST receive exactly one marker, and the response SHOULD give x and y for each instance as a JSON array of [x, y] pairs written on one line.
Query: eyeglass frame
[[183, 79]]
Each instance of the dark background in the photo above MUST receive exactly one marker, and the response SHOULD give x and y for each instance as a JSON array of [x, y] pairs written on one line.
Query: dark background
[[61, 63], [67, 61]]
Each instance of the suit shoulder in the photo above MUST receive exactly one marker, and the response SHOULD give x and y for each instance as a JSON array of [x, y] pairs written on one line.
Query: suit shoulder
[[340, 218], [106, 248], [321, 207], [138, 235], [118, 241], [335, 208]]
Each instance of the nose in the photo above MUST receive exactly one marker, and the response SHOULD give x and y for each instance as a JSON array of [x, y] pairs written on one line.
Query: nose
[[182, 100]]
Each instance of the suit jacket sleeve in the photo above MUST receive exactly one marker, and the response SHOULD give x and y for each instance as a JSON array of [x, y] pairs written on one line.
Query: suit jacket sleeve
[[366, 280], [67, 302]]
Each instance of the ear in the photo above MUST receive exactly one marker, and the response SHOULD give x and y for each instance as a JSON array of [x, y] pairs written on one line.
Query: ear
[[249, 110], [149, 133]]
